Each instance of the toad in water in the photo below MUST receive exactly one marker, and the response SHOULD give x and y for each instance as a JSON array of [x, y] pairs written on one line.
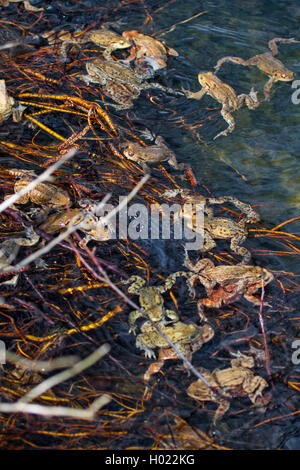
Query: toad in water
[[224, 94], [267, 63], [237, 381], [157, 152], [234, 282]]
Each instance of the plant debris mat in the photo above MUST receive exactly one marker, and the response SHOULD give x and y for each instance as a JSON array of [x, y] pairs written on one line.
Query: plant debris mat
[[64, 306]]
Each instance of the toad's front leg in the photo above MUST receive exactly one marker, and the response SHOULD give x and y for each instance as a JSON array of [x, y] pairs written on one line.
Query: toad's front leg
[[137, 282], [209, 243], [249, 294], [133, 316], [195, 95], [178, 166], [222, 409], [166, 89], [251, 100], [267, 88]]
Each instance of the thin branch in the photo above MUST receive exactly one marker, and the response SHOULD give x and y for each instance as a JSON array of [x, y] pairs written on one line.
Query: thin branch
[[89, 413], [42, 177], [65, 375]]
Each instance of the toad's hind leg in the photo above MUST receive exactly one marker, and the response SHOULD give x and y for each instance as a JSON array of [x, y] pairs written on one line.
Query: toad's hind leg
[[240, 250], [230, 121], [235, 60], [273, 46], [167, 90]]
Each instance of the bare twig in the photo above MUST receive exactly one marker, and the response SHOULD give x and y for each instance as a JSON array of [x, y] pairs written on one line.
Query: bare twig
[[43, 366], [65, 375], [180, 22], [42, 177], [89, 413]]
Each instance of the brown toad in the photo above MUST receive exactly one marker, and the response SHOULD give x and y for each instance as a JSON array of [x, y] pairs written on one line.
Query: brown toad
[[147, 50], [220, 228], [206, 333], [233, 281], [82, 220], [9, 250], [181, 334], [157, 152], [45, 194], [237, 381], [110, 73], [27, 4], [6, 102], [267, 63], [103, 37], [224, 94], [151, 300]]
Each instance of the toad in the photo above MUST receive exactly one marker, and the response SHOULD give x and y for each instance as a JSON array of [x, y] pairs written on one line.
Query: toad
[[195, 198], [9, 250], [109, 72], [27, 4], [87, 222], [224, 94], [234, 282], [147, 50], [220, 228], [6, 102], [103, 37], [8, 105], [151, 300], [236, 381], [45, 194], [206, 333], [181, 334], [157, 152], [267, 63]]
